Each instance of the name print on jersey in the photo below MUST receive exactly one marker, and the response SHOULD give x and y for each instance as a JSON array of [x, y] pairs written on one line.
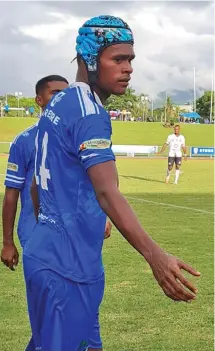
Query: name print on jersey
[[51, 116]]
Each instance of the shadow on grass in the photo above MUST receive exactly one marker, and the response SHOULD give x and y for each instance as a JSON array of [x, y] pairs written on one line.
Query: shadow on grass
[[142, 178]]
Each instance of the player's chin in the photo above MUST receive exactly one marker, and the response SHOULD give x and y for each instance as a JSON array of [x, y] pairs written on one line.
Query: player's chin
[[120, 90]]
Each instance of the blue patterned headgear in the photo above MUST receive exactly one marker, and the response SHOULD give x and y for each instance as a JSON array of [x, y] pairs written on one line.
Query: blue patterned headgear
[[95, 35]]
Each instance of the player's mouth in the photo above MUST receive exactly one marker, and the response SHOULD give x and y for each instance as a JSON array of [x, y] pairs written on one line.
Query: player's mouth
[[124, 82]]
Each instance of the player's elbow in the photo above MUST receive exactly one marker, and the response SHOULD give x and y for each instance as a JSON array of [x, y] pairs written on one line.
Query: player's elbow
[[106, 197], [11, 197]]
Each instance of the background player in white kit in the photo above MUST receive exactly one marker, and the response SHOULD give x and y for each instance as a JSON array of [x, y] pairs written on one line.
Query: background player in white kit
[[176, 143]]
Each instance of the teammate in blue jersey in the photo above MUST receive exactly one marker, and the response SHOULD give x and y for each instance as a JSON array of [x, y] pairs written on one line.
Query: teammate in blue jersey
[[76, 184], [20, 169]]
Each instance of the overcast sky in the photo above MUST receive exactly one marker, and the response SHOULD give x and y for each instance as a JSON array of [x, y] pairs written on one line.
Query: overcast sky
[[38, 38]]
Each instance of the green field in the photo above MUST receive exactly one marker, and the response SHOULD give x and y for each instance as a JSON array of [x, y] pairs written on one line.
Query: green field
[[125, 133], [135, 315]]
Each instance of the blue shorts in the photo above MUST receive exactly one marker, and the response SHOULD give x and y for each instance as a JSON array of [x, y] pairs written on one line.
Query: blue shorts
[[63, 314], [95, 341]]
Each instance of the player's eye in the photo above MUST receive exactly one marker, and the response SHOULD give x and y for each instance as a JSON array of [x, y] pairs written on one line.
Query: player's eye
[[118, 61]]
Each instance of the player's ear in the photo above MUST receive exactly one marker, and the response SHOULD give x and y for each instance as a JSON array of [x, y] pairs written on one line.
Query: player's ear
[[39, 100]]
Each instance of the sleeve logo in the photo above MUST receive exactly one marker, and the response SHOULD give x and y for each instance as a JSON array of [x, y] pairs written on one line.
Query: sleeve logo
[[12, 167], [95, 144]]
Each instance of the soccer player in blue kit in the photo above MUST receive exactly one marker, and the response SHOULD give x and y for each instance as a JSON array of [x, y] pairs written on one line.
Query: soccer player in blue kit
[[18, 181], [75, 187]]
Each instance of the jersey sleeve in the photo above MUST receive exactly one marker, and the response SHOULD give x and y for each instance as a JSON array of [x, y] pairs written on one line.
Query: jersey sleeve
[[16, 167], [92, 139], [168, 140]]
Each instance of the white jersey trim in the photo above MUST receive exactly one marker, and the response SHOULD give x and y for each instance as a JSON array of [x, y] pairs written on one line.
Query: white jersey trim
[[84, 93], [24, 131]]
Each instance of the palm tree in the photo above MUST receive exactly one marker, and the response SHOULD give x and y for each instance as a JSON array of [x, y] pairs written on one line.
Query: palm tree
[[168, 108]]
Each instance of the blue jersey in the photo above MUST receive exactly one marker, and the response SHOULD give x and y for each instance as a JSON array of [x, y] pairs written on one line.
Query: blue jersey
[[74, 133], [20, 170]]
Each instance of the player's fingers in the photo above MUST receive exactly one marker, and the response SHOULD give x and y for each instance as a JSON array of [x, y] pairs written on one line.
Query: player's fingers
[[10, 263], [180, 291], [187, 283], [188, 268], [5, 261], [15, 260], [2, 258], [169, 292]]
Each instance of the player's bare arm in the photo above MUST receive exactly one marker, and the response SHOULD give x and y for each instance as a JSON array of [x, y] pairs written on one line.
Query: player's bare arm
[[163, 148], [166, 268], [185, 152], [35, 198], [9, 253]]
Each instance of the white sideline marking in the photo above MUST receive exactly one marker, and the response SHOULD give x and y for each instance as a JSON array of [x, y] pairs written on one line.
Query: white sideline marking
[[169, 205]]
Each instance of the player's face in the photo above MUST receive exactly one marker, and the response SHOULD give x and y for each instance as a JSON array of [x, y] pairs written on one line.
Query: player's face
[[176, 130], [51, 89], [115, 69]]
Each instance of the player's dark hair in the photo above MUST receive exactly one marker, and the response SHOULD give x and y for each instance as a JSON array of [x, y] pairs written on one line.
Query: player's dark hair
[[42, 83], [177, 125]]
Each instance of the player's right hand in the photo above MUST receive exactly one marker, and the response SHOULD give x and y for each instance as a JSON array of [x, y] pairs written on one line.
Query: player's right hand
[[167, 271], [10, 256], [108, 228]]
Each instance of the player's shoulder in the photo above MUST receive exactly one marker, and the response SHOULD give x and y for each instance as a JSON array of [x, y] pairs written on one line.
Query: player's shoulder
[[26, 136], [79, 98], [170, 136]]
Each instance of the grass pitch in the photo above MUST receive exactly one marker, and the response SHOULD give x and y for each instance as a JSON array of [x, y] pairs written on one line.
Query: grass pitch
[[125, 133], [135, 315]]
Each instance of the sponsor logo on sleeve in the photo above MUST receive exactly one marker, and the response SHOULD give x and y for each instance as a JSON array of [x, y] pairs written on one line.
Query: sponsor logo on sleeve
[[12, 167], [95, 144]]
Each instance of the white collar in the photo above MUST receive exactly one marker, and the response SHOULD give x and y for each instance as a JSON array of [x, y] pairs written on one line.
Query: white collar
[[86, 87]]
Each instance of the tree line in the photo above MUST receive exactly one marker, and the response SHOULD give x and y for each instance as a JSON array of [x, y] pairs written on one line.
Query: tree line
[[139, 105]]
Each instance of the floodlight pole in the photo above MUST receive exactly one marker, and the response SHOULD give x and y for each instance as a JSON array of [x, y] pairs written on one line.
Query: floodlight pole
[[18, 95], [145, 100], [165, 108], [152, 109], [194, 89], [211, 106]]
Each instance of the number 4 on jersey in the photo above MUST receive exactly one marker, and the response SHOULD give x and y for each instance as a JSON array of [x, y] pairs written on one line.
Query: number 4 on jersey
[[44, 172]]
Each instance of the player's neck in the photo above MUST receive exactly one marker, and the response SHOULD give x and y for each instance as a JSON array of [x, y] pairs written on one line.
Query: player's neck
[[103, 96], [82, 77]]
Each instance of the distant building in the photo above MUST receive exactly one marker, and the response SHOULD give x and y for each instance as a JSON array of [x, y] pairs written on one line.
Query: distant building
[[187, 107]]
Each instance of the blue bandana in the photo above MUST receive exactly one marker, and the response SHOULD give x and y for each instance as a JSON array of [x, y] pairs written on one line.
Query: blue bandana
[[99, 33]]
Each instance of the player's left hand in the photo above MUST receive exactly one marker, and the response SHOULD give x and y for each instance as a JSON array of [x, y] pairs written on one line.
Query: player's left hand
[[10, 256], [167, 271], [108, 228]]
